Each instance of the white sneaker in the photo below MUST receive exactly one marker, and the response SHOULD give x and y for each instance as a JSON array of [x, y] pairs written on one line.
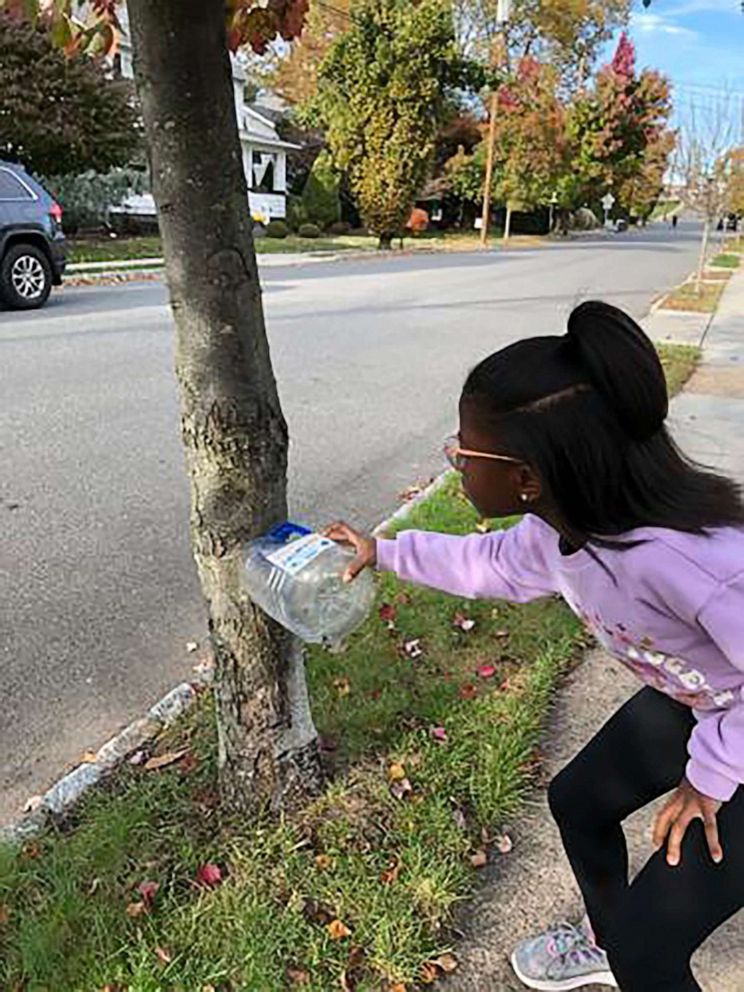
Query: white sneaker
[[563, 958]]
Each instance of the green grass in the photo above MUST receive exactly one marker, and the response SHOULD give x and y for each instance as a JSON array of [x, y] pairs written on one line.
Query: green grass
[[726, 260], [679, 362], [663, 209], [101, 249], [685, 297]]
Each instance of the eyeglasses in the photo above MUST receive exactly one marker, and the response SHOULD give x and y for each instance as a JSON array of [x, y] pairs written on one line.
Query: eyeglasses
[[457, 456]]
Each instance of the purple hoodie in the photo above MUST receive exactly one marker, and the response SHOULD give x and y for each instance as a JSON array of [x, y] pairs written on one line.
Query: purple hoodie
[[671, 608]]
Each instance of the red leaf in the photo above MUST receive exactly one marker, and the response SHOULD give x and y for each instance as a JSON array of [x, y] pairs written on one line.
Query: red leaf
[[388, 614], [148, 891], [468, 691], [438, 734], [487, 671], [209, 875]]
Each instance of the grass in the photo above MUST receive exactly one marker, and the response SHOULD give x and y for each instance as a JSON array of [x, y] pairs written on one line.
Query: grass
[[391, 870], [726, 260], [679, 362], [102, 249], [663, 209], [685, 297]]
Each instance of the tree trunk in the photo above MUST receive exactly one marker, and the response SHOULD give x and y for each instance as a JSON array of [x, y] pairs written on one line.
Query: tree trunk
[[507, 222], [702, 257], [232, 424], [385, 242]]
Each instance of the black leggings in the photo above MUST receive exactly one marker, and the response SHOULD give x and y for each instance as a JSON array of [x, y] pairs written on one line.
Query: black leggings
[[650, 927]]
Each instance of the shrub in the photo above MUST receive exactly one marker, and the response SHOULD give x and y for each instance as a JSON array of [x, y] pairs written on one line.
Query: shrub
[[320, 196], [340, 227], [418, 221], [309, 231], [87, 198], [277, 229], [296, 212]]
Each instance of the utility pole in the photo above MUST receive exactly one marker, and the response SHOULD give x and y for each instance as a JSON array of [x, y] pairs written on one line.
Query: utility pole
[[502, 16]]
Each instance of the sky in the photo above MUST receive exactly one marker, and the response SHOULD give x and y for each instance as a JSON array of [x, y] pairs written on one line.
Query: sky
[[698, 44]]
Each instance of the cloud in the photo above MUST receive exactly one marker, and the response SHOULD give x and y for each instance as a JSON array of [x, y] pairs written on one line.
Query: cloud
[[686, 7], [656, 24]]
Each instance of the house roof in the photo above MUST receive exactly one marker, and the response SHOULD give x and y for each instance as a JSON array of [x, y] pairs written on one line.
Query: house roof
[[257, 128]]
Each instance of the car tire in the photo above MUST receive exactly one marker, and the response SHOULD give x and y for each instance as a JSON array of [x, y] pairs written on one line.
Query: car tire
[[25, 277]]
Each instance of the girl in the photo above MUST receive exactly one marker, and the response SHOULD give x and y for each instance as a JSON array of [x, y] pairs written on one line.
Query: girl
[[649, 550]]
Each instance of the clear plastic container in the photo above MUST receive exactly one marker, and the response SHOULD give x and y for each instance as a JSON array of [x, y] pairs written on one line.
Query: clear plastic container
[[295, 576]]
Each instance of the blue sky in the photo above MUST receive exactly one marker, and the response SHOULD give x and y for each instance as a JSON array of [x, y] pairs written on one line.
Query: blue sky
[[698, 44]]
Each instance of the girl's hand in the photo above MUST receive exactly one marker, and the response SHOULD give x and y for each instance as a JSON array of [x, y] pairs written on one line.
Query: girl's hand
[[685, 805], [365, 547]]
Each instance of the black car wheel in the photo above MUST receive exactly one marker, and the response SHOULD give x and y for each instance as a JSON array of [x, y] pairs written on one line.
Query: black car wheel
[[25, 277]]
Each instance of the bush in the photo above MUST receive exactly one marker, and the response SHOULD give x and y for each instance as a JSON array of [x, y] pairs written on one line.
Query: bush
[[87, 198], [320, 196], [309, 231], [340, 227], [277, 229], [296, 213]]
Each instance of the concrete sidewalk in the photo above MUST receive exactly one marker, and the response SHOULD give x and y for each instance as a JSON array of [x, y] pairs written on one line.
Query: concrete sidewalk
[[533, 886]]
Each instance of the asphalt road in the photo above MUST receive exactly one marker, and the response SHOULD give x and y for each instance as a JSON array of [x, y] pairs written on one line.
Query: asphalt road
[[98, 592]]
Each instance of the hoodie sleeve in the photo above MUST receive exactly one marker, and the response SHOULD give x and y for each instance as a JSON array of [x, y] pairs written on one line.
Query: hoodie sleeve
[[716, 748], [510, 564]]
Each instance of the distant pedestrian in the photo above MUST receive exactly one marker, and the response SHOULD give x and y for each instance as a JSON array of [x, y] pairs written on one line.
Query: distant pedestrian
[[648, 549], [674, 220]]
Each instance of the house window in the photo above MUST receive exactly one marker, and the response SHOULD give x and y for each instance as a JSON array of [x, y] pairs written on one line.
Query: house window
[[264, 164]]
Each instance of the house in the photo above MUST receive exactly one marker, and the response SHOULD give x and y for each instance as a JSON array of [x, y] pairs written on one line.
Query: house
[[264, 152]]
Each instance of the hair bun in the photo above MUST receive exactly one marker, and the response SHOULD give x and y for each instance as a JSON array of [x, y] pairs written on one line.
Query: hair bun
[[622, 364]]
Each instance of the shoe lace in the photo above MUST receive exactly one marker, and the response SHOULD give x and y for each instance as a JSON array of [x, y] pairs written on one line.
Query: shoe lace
[[571, 944]]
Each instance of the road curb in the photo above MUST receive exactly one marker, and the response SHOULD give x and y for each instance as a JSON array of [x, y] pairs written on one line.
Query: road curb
[[49, 807]]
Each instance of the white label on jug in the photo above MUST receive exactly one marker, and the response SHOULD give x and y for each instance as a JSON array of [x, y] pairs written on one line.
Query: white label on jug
[[293, 557]]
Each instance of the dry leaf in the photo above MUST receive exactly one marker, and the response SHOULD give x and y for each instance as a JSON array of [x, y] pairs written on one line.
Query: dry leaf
[[32, 804], [479, 859], [438, 734], [138, 758], [32, 850], [401, 788], [468, 691], [501, 634], [404, 598], [462, 622], [163, 760], [4, 915], [390, 875], [148, 890], [459, 817], [323, 862], [209, 875], [189, 764], [396, 772], [447, 962], [342, 686], [482, 527], [94, 886], [504, 843], [163, 955], [298, 976], [398, 987], [338, 930], [88, 758], [429, 973], [192, 646], [387, 614], [135, 909]]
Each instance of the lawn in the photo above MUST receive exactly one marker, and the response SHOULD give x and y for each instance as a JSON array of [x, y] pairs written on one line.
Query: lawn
[[679, 362], [430, 722], [726, 260], [685, 297]]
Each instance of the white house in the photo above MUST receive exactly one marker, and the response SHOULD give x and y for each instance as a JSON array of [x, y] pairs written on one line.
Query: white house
[[264, 152]]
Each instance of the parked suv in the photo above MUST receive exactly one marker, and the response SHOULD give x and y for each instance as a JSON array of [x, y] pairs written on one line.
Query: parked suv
[[32, 244]]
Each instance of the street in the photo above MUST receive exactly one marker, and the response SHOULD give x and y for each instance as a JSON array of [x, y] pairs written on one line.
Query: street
[[98, 590]]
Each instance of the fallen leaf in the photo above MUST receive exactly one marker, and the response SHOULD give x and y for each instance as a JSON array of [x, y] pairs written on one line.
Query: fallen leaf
[[447, 963], [504, 843], [298, 976], [32, 850], [32, 804], [163, 760], [323, 862], [438, 734], [209, 875], [401, 788], [88, 758], [398, 987], [459, 817], [388, 613], [192, 646], [463, 622], [486, 671], [135, 909], [94, 886], [501, 634], [413, 648], [404, 598], [4, 916], [206, 800], [429, 973], [350, 976], [396, 772], [390, 875], [468, 691], [479, 858], [163, 955], [342, 686], [189, 764], [148, 890], [138, 758], [338, 930], [317, 912]]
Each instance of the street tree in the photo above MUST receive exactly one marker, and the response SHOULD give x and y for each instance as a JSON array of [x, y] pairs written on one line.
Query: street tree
[[233, 428], [59, 115], [383, 94]]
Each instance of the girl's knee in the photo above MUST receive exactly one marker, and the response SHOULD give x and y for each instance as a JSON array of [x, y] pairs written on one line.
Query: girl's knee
[[566, 797]]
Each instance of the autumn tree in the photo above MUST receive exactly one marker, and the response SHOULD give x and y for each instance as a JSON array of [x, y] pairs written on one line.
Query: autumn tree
[[60, 115], [382, 96], [294, 75], [233, 428]]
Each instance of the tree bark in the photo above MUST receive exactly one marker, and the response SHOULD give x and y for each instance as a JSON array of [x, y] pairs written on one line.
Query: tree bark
[[233, 429], [702, 256]]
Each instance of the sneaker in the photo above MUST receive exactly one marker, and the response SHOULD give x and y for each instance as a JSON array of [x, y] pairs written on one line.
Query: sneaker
[[563, 958]]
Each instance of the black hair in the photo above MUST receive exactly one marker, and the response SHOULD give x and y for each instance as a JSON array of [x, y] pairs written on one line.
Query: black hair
[[587, 412]]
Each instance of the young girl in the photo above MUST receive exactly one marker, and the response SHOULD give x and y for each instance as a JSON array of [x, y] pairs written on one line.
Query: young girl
[[649, 550]]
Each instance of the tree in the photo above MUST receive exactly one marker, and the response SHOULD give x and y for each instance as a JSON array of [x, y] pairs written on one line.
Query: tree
[[60, 115], [619, 132], [233, 428], [320, 196], [701, 168], [382, 96], [736, 181]]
